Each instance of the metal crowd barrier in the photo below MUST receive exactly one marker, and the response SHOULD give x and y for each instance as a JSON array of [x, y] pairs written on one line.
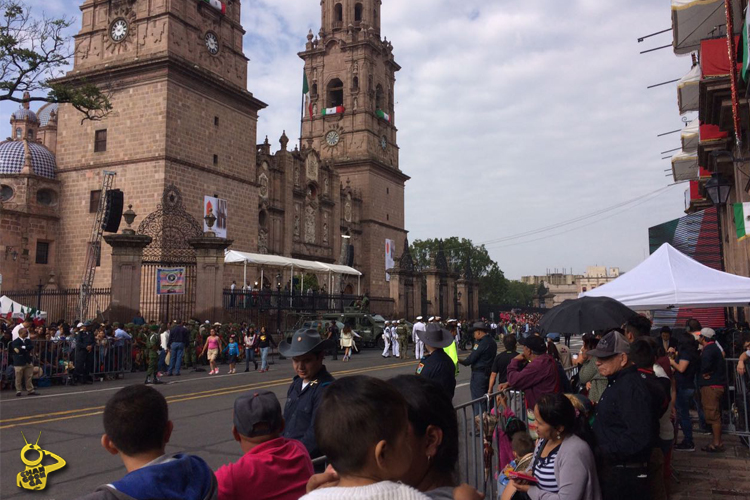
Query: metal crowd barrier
[[737, 400]]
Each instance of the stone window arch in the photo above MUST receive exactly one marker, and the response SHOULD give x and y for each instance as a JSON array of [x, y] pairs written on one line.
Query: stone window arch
[[335, 93], [263, 219], [358, 13], [46, 197], [315, 89], [355, 84], [338, 13], [379, 97], [30, 134], [19, 133]]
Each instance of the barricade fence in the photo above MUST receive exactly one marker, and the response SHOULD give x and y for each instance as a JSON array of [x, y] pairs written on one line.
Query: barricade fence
[[56, 359], [61, 304]]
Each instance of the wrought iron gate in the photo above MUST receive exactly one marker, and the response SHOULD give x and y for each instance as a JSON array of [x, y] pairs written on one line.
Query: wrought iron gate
[[171, 227]]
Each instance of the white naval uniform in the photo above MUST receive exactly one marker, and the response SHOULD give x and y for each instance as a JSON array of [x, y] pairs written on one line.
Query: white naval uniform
[[387, 341], [394, 342], [418, 344]]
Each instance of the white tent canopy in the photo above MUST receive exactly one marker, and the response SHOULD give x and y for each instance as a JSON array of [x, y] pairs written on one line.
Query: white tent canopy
[[690, 135], [685, 165], [18, 311], [688, 90], [277, 261], [669, 278], [694, 20]]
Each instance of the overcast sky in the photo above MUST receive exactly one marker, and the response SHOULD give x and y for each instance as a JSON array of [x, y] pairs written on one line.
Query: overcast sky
[[513, 115]]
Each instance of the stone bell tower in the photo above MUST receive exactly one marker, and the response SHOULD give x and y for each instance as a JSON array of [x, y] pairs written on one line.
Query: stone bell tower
[[350, 118]]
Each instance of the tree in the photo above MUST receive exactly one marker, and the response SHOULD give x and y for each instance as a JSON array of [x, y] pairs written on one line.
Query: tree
[[33, 52]]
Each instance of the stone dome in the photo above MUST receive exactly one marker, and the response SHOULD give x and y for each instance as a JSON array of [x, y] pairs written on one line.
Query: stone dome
[[13, 158], [45, 112], [24, 114]]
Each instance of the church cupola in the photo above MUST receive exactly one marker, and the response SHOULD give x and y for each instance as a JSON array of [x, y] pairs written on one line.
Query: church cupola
[[340, 14], [24, 122]]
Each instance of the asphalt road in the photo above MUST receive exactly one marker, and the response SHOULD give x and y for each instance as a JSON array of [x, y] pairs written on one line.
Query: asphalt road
[[200, 405]]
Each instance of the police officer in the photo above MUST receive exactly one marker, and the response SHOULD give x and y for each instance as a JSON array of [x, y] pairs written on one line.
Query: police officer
[[480, 360], [307, 350], [403, 339], [84, 363], [437, 365]]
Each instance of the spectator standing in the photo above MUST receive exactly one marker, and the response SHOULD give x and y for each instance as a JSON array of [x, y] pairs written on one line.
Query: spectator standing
[[272, 467], [685, 362], [264, 343], [480, 360], [437, 365], [307, 351], [121, 336], [667, 341], [251, 344], [179, 337], [499, 372], [588, 373], [563, 353], [626, 422], [712, 383], [213, 346], [332, 334], [26, 323], [84, 361], [233, 351], [22, 349], [139, 320], [137, 427]]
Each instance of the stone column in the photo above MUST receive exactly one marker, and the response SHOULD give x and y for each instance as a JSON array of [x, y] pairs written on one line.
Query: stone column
[[209, 279], [433, 292], [127, 256], [418, 295], [463, 303]]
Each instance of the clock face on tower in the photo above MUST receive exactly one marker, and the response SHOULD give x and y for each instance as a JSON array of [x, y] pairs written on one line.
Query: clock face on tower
[[332, 138], [118, 30], [212, 43]]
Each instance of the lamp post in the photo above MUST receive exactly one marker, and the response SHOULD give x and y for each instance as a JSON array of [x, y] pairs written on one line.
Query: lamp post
[[278, 302], [718, 189]]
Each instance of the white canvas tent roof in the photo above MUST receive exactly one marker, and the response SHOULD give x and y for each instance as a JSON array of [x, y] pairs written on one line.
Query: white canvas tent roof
[[688, 90], [685, 165], [235, 257], [690, 135], [669, 278], [694, 20], [18, 310]]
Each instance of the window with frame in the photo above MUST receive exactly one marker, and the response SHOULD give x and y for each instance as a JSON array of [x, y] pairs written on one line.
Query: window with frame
[[42, 252], [94, 199], [100, 141]]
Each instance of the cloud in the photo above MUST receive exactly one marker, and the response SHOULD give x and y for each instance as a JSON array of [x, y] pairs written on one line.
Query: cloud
[[512, 116]]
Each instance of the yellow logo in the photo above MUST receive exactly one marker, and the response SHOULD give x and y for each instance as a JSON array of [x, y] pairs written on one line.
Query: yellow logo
[[34, 477]]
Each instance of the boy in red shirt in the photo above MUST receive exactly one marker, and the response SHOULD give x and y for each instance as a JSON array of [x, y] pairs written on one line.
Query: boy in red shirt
[[272, 467]]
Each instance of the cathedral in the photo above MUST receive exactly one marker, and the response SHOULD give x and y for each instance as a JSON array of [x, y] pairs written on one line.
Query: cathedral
[[183, 127]]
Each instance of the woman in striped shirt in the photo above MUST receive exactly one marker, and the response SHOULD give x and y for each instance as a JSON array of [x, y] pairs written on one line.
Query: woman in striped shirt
[[563, 462]]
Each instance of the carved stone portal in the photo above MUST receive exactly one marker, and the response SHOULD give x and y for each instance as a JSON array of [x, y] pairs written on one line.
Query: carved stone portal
[[325, 228], [309, 224], [296, 221], [312, 167]]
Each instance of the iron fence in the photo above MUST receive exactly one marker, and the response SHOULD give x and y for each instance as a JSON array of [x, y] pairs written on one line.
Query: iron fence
[[246, 305], [61, 304], [56, 359]]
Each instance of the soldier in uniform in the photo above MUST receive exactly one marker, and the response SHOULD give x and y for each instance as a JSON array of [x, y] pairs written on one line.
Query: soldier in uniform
[[480, 360], [437, 365], [394, 339], [387, 340], [418, 344], [153, 347], [403, 339], [307, 350]]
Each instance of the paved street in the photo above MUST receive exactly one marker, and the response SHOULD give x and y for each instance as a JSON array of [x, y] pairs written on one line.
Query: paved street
[[200, 406]]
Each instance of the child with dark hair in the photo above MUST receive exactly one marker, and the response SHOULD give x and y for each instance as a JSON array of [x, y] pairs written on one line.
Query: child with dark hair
[[137, 427], [362, 426], [523, 449]]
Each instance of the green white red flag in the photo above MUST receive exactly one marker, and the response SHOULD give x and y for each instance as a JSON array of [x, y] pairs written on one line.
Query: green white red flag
[[216, 4], [742, 220], [333, 111], [383, 115], [306, 94]]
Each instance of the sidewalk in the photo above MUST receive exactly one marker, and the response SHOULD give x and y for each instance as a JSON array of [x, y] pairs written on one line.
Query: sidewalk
[[724, 476]]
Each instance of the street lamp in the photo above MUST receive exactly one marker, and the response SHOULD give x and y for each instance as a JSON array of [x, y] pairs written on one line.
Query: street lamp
[[718, 188]]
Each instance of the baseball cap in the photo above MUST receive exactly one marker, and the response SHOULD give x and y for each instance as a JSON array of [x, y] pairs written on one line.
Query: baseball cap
[[254, 408], [708, 333], [536, 344], [611, 344], [553, 336], [79, 325]]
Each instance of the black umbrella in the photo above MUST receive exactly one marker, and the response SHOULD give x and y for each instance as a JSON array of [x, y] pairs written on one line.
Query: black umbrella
[[585, 315]]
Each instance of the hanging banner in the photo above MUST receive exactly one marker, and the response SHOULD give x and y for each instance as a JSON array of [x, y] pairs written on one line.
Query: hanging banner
[[170, 281], [390, 251], [218, 207], [733, 73]]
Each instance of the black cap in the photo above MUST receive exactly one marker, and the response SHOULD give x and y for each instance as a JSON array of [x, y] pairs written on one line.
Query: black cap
[[257, 407], [536, 344]]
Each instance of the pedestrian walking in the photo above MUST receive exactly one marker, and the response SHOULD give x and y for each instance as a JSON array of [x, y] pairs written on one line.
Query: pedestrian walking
[[394, 340], [264, 343], [233, 351], [419, 326], [22, 349], [251, 345], [213, 346], [347, 341]]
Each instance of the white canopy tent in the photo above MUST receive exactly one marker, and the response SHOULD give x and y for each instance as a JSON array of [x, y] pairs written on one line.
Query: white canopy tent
[[277, 261], [690, 135], [694, 20], [16, 310], [669, 278], [685, 165], [688, 90]]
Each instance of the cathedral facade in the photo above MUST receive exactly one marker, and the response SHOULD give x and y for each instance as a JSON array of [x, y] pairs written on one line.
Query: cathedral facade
[[184, 126]]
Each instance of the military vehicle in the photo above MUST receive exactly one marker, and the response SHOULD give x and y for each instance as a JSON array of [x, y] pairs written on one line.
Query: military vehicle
[[368, 327]]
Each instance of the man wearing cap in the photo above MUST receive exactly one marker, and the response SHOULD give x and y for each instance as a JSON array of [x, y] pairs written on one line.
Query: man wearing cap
[[387, 340], [403, 339], [480, 360], [418, 344], [84, 363], [712, 380], [626, 424], [271, 467], [307, 351], [566, 358], [437, 365], [394, 340]]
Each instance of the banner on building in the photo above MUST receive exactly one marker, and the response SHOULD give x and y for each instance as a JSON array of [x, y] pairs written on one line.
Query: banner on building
[[170, 281], [390, 251], [218, 207]]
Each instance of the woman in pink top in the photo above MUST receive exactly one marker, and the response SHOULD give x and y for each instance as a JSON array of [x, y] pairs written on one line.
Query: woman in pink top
[[213, 345]]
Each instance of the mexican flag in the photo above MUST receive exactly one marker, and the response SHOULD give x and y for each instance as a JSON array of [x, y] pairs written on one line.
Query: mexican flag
[[216, 4], [306, 94], [383, 115], [742, 220], [332, 111]]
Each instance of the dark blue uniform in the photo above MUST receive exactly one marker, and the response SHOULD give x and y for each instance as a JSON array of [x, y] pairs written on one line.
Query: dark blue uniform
[[84, 360], [439, 367], [480, 360], [301, 407]]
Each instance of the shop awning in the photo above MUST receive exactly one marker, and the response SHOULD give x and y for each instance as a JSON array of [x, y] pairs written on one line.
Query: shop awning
[[263, 260], [688, 90], [685, 165], [690, 135], [694, 20], [715, 57]]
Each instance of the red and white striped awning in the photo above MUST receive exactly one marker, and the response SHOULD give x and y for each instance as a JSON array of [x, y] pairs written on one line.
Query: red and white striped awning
[[694, 20]]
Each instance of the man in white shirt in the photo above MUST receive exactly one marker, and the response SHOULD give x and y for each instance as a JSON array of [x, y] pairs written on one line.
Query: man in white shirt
[[27, 323], [164, 341], [394, 340], [419, 326], [387, 339]]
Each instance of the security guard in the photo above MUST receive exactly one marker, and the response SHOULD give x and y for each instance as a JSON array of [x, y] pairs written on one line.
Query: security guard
[[480, 360], [307, 350], [436, 364], [84, 363], [403, 339]]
